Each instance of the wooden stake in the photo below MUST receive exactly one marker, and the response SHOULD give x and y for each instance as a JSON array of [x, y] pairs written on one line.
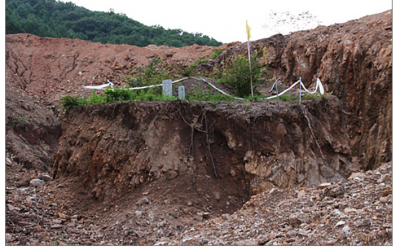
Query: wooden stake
[[277, 93]]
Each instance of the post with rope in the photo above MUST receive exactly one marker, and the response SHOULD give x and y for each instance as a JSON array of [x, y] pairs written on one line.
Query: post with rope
[[300, 91], [167, 87], [276, 89], [248, 49], [181, 92], [223, 63], [277, 93], [83, 95]]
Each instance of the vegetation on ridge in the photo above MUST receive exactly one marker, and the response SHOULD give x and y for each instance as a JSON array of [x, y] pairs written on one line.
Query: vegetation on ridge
[[51, 18], [236, 76]]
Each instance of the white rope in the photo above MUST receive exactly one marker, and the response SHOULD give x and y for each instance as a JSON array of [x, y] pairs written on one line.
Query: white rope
[[276, 83], [283, 92], [238, 98], [179, 80], [317, 87], [100, 87], [145, 87], [156, 85]]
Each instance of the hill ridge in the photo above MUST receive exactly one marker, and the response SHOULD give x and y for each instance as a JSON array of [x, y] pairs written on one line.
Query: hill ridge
[[49, 18]]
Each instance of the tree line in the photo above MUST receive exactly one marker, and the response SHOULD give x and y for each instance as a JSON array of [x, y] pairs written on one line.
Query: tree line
[[50, 18]]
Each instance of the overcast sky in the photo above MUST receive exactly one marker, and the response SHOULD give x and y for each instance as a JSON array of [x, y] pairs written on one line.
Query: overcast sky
[[226, 20]]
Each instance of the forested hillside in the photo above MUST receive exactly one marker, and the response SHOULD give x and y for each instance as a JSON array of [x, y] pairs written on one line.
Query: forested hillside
[[50, 18]]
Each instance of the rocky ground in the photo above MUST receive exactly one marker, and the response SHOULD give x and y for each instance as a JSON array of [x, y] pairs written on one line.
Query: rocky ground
[[41, 211], [356, 213]]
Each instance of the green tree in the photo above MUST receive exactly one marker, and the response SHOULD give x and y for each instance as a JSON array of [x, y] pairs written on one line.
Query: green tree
[[238, 75]]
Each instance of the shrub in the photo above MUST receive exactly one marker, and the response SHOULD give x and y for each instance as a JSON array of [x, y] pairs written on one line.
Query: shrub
[[238, 75], [286, 97], [218, 73], [69, 102], [206, 95], [216, 53], [117, 95], [151, 74], [95, 99], [187, 70]]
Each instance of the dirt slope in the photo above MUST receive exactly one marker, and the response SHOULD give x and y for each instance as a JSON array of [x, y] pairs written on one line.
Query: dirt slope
[[49, 68]]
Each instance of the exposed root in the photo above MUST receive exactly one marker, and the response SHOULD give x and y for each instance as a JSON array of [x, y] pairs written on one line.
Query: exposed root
[[209, 147], [197, 126], [316, 142], [191, 146]]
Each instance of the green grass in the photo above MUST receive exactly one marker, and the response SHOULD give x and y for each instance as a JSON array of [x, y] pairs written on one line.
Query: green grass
[[198, 94]]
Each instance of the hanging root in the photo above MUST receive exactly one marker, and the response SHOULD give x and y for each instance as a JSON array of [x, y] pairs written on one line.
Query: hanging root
[[209, 147], [316, 142], [196, 126], [312, 133], [191, 125]]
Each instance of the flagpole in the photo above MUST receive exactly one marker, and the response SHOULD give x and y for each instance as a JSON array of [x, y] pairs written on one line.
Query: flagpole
[[251, 78], [248, 49]]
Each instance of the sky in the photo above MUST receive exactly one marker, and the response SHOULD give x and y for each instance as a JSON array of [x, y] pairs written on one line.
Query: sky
[[226, 20]]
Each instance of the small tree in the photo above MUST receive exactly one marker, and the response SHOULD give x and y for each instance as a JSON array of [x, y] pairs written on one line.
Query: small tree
[[69, 102], [238, 75]]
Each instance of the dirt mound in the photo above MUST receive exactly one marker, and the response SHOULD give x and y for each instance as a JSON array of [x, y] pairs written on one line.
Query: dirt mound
[[50, 68]]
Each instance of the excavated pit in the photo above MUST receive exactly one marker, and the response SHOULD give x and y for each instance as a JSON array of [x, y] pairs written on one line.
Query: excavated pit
[[135, 167], [189, 159]]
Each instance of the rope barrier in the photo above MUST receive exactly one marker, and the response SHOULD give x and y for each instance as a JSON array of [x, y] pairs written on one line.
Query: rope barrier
[[221, 91], [317, 87], [101, 87], [156, 85]]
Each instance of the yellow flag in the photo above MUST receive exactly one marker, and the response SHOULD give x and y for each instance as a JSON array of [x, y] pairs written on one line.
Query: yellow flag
[[248, 30]]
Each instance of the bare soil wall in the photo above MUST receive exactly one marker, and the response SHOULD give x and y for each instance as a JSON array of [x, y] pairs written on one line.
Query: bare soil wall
[[225, 148]]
